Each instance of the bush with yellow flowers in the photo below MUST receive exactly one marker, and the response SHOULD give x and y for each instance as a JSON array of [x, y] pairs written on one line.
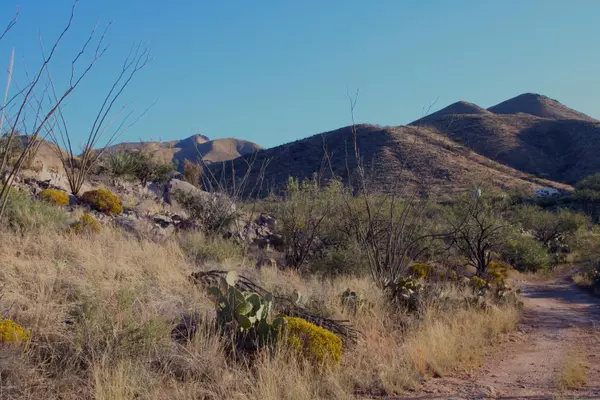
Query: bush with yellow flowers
[[478, 283], [498, 272], [104, 201], [313, 342], [11, 332], [55, 196], [421, 270], [87, 223]]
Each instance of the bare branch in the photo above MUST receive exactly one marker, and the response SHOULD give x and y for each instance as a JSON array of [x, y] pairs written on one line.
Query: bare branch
[[12, 23]]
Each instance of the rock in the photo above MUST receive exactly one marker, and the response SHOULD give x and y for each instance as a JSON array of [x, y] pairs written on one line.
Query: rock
[[262, 243], [189, 225], [276, 240], [162, 220], [268, 221], [212, 202]]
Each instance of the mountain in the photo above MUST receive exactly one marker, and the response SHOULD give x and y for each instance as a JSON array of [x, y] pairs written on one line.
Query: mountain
[[458, 108], [540, 106], [192, 148], [530, 133], [413, 157]]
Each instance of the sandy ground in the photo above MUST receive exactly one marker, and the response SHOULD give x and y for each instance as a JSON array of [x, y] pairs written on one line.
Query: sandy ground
[[559, 319]]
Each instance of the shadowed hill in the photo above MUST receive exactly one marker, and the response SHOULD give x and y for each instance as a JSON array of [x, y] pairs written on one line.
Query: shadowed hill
[[564, 150], [406, 156]]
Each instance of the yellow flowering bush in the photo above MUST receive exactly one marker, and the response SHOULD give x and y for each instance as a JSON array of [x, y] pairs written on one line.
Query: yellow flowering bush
[[478, 283], [421, 270], [55, 196], [11, 332], [104, 201], [87, 223], [313, 342], [498, 272]]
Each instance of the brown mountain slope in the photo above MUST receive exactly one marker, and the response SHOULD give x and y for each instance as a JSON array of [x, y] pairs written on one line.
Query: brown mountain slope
[[410, 156], [193, 148], [564, 150], [539, 106]]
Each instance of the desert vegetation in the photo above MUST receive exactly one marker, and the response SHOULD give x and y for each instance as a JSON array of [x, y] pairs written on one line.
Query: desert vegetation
[[136, 280], [103, 313]]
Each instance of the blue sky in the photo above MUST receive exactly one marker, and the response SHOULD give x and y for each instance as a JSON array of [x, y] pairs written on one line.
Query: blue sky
[[275, 71]]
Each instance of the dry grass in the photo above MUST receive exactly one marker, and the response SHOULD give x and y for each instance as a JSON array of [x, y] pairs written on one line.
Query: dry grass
[[101, 308], [583, 280], [574, 373]]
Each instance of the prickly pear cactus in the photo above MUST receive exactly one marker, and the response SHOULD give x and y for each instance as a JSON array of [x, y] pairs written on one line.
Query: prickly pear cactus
[[405, 292], [247, 313], [351, 301]]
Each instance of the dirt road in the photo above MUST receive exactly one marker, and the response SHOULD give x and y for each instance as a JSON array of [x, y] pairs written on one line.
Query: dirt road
[[561, 326]]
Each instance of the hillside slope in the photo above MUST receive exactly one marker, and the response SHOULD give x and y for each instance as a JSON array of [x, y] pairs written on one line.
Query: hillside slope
[[407, 156], [561, 149]]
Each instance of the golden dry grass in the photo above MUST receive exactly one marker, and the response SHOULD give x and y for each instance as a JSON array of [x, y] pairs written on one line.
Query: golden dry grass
[[101, 308], [574, 373]]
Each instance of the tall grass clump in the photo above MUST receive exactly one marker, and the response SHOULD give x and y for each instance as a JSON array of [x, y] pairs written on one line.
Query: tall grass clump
[[25, 214]]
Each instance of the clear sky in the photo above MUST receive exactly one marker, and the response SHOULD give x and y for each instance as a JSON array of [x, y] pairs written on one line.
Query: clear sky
[[275, 71]]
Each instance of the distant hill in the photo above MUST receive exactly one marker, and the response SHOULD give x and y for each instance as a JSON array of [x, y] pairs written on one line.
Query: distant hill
[[193, 148], [458, 108], [540, 106], [531, 133], [410, 156]]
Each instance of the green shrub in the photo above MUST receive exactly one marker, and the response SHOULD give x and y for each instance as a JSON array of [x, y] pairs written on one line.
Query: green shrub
[[526, 254], [139, 165], [313, 342], [103, 200], [343, 261], [548, 227], [26, 214], [304, 214], [591, 183], [122, 164], [87, 223], [11, 332], [55, 196]]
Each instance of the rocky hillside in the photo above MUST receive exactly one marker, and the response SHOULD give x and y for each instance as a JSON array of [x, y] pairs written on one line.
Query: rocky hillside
[[530, 133], [406, 156]]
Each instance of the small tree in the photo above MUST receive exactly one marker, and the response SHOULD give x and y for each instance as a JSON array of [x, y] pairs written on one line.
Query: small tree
[[549, 227], [301, 212], [477, 230]]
